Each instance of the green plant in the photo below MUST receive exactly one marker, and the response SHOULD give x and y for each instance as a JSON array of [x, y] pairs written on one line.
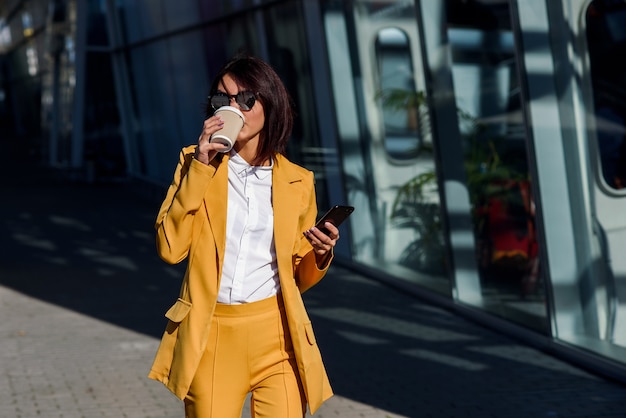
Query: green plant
[[416, 204], [486, 169], [413, 209], [399, 99], [490, 169]]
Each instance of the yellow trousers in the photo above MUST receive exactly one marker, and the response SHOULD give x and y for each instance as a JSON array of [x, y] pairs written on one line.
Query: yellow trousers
[[249, 351]]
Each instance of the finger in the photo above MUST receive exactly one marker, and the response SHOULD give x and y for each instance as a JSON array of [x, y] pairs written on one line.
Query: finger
[[313, 238], [210, 126], [333, 231], [319, 241], [332, 235], [320, 248], [216, 147], [316, 236]]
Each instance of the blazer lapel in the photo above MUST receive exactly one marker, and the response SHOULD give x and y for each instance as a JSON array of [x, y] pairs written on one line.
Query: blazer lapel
[[216, 202], [285, 215]]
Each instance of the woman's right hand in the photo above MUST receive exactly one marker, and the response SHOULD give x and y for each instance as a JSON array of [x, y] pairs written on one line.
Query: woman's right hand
[[206, 151]]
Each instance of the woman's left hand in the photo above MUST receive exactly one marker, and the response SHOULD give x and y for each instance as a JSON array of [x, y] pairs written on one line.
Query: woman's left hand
[[323, 244]]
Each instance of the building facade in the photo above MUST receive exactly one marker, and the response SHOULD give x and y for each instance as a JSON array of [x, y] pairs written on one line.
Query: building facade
[[482, 142]]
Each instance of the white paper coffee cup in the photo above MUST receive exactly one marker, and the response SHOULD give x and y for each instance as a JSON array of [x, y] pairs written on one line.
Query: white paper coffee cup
[[233, 122]]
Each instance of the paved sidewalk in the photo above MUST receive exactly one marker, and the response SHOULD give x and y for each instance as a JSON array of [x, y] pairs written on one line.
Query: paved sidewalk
[[83, 294], [60, 363]]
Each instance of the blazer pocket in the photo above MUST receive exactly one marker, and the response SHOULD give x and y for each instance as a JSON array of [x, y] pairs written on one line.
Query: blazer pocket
[[178, 311], [310, 336]]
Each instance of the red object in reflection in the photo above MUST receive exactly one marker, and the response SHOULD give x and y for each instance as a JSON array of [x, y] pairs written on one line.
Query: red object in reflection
[[508, 231]]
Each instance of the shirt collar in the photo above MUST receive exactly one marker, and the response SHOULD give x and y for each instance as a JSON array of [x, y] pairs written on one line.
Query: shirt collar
[[242, 168]]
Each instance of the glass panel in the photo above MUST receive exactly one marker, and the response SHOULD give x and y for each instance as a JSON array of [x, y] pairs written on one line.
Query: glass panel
[[487, 92], [606, 40], [141, 19], [103, 149], [190, 85], [395, 69], [58, 84], [97, 30], [379, 90], [156, 123], [181, 14]]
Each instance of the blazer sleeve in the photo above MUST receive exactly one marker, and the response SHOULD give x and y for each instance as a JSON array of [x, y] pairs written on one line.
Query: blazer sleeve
[[174, 223]]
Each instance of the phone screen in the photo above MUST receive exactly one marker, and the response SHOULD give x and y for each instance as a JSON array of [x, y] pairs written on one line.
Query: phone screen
[[335, 215]]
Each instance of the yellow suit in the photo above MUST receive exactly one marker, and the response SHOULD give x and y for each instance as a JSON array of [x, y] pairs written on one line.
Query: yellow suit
[[192, 224]]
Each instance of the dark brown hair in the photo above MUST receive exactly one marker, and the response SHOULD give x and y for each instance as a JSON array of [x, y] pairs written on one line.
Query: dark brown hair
[[255, 75]]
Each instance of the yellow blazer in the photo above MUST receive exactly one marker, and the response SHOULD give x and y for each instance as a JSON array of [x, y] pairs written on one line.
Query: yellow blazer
[[191, 224]]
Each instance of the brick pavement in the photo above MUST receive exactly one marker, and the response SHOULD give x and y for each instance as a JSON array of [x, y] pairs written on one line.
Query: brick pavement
[[60, 363], [83, 296]]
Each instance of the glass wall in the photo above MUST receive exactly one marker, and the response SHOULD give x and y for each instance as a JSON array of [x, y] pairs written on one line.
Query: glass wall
[[408, 97], [376, 54], [581, 222]]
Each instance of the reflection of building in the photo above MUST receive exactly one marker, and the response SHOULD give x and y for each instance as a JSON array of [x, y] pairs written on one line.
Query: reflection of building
[[416, 115]]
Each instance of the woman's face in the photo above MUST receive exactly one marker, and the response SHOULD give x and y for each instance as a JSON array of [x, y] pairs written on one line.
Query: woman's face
[[254, 118]]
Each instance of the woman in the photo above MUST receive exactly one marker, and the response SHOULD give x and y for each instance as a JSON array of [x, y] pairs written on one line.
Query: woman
[[244, 221]]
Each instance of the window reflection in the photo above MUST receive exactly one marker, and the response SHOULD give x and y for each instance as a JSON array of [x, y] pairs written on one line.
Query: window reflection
[[397, 87], [5, 35], [606, 39], [487, 96], [27, 24], [385, 139]]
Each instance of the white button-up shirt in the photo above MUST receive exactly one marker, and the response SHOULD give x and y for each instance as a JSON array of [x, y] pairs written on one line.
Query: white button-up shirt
[[250, 270]]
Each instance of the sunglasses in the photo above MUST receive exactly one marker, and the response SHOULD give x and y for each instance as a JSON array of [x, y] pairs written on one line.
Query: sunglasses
[[245, 99]]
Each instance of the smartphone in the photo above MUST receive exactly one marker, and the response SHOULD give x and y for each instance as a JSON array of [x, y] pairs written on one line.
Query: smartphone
[[335, 215]]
